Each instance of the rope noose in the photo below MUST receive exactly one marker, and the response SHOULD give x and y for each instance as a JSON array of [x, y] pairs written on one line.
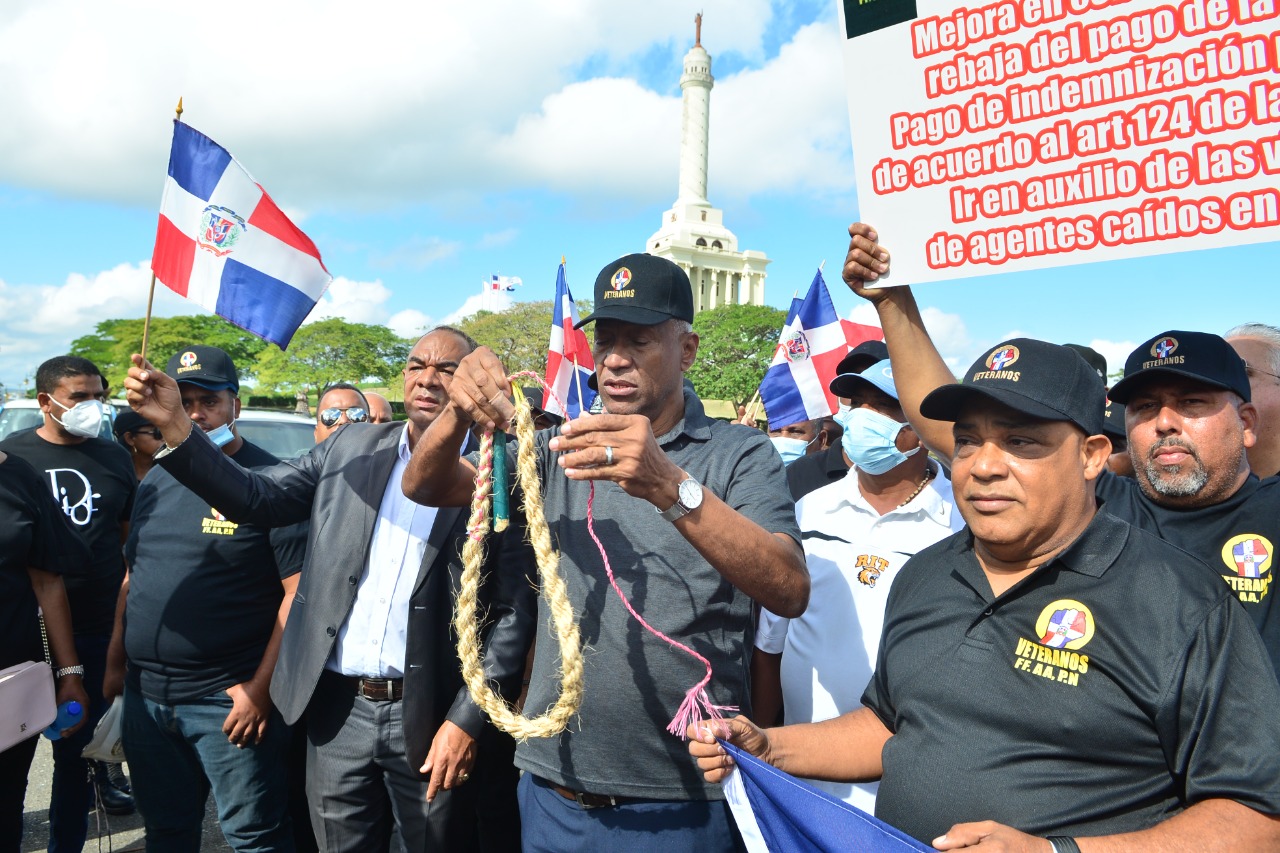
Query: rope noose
[[465, 620]]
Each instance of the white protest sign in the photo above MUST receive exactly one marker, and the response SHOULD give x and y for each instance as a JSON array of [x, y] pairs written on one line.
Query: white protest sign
[[1021, 134]]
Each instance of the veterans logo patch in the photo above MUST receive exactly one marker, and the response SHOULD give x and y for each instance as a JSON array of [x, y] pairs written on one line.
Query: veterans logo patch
[[1248, 555], [187, 359], [1002, 358], [1065, 624], [1164, 347], [621, 279]]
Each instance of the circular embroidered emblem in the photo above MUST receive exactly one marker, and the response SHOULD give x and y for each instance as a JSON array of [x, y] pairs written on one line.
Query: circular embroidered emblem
[[1164, 347], [1065, 624], [1002, 358], [1248, 555]]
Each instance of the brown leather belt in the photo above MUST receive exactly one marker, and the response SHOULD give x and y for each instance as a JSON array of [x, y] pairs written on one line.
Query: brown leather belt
[[593, 801], [376, 689]]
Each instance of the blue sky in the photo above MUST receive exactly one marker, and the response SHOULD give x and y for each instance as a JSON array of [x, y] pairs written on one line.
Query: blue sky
[[425, 147]]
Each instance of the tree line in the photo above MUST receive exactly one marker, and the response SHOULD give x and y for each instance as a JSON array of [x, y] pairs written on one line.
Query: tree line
[[737, 344]]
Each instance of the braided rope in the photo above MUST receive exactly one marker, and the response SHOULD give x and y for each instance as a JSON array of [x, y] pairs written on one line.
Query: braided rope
[[466, 621]]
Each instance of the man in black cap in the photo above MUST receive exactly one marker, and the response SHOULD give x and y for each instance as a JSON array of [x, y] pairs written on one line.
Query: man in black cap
[[830, 466], [694, 519], [1189, 423], [199, 623], [1023, 657]]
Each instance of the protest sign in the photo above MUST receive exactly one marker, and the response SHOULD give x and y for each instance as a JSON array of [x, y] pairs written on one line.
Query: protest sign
[[1020, 134]]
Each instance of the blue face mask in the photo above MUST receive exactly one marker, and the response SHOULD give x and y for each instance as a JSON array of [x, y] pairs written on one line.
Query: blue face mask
[[222, 435], [870, 438], [790, 449]]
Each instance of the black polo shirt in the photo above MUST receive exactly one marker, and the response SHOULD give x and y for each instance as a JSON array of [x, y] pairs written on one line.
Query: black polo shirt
[[1113, 687], [1237, 537], [812, 472]]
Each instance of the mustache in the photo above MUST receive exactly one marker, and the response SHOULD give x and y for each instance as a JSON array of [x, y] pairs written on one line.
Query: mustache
[[1170, 441]]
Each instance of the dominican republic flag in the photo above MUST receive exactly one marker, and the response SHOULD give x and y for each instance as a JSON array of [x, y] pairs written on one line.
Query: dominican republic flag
[[567, 346], [812, 344], [225, 245], [778, 812], [504, 282]]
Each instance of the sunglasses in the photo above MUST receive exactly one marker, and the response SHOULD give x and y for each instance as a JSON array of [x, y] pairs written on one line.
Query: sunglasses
[[154, 433], [355, 415]]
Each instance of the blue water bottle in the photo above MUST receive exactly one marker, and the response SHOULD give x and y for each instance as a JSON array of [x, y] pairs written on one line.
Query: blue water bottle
[[69, 713]]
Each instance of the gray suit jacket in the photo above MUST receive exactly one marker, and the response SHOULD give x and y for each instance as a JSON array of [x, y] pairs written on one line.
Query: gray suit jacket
[[339, 485]]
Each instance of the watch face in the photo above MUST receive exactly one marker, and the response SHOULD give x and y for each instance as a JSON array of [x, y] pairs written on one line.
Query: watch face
[[691, 494]]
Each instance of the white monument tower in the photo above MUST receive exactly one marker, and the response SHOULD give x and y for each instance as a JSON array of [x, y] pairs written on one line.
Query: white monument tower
[[692, 232]]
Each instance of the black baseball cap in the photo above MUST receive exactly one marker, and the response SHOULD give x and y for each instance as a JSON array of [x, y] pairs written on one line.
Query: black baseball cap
[[860, 358], [1096, 360], [1113, 421], [1193, 355], [1036, 378], [642, 289], [208, 367], [534, 396], [127, 421]]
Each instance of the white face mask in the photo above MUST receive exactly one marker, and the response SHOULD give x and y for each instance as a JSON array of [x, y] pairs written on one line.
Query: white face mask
[[84, 419]]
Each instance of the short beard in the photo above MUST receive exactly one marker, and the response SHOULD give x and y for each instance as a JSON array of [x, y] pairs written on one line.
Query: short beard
[[1172, 482]]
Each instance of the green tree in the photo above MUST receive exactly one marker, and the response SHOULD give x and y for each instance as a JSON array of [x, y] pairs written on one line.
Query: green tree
[[113, 341], [518, 335], [736, 344], [329, 351]]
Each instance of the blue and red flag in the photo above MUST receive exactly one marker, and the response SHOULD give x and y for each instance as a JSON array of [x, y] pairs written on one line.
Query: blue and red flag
[[775, 812], [225, 245], [569, 361], [795, 387]]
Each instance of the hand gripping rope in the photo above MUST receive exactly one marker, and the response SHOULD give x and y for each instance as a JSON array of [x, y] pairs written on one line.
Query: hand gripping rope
[[490, 478]]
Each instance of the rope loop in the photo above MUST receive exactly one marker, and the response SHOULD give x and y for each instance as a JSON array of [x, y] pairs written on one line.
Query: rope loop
[[466, 620]]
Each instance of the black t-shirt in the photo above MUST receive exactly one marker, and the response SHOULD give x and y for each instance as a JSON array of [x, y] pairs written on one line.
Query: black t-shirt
[[203, 591], [812, 472], [1104, 693], [1236, 537], [94, 483], [33, 534]]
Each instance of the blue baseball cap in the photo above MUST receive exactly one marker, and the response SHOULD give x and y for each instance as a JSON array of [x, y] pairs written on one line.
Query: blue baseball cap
[[878, 375]]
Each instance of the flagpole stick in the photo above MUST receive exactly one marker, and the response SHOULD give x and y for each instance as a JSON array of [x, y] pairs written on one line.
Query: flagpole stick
[[151, 292], [751, 407]]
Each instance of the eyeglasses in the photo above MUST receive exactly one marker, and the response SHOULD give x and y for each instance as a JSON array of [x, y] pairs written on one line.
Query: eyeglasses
[[1250, 370], [355, 415], [154, 433]]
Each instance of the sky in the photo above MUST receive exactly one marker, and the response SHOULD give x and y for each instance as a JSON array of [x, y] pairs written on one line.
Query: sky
[[427, 146]]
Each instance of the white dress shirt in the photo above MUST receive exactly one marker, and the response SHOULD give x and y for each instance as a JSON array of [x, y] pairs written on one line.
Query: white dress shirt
[[371, 642], [853, 553]]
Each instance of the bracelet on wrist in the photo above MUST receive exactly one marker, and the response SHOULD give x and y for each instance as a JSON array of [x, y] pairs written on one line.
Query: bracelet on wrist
[[165, 450], [70, 670], [1063, 844]]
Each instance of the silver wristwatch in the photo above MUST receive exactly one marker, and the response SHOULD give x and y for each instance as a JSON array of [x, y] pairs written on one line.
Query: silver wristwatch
[[689, 500]]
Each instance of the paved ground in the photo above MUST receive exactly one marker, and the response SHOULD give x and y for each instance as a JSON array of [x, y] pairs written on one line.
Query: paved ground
[[106, 833]]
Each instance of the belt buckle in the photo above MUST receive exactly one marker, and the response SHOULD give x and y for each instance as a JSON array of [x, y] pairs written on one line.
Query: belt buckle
[[581, 798], [376, 689]]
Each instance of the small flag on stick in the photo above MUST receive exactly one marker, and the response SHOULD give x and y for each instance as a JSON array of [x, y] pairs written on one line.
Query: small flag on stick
[[795, 387], [225, 245], [569, 361]]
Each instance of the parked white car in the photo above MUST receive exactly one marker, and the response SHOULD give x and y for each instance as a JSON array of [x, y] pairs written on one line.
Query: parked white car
[[282, 434]]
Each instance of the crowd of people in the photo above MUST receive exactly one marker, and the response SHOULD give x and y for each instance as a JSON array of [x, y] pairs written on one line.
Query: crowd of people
[[1018, 612]]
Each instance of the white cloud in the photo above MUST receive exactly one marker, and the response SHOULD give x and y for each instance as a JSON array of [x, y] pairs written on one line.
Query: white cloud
[[497, 239], [409, 323], [478, 302], [410, 101], [1115, 352], [356, 301], [418, 253]]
